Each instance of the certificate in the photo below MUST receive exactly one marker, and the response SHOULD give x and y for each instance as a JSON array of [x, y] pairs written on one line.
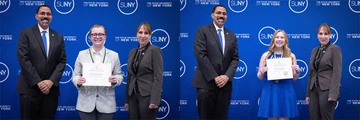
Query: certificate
[[279, 68], [96, 74]]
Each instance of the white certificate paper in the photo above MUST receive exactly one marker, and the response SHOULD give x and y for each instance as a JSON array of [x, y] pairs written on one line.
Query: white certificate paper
[[96, 74], [279, 68]]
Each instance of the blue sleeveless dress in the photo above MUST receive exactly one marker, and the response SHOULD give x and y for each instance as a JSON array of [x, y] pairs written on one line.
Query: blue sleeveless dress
[[278, 99]]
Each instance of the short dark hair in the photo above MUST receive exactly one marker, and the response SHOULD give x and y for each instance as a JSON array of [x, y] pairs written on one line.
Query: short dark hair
[[37, 10], [213, 10]]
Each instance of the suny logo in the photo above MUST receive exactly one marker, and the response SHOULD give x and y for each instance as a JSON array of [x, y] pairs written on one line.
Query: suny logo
[[354, 68], [64, 6], [182, 68], [334, 35], [67, 74], [182, 4], [298, 6], [354, 5], [303, 68], [164, 110], [241, 70], [124, 72], [4, 72], [238, 6], [127, 7], [265, 35], [160, 38], [4, 5], [87, 39]]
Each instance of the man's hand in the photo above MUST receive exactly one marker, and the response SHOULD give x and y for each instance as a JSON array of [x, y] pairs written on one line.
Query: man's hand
[[42, 86], [221, 80], [48, 83], [45, 86]]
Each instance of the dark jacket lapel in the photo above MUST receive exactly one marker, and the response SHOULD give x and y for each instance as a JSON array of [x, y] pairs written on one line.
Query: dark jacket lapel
[[131, 57], [147, 55], [214, 33], [52, 42], [38, 37], [227, 41]]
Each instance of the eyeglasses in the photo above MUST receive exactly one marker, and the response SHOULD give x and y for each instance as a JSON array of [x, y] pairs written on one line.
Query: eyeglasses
[[100, 35], [47, 13]]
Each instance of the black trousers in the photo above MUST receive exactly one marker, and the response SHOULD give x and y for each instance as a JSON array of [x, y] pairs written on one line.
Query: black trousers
[[139, 108], [319, 107], [41, 107], [213, 104]]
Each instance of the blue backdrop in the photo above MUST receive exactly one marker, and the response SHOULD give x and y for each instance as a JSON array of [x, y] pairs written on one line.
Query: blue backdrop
[[73, 19], [254, 22]]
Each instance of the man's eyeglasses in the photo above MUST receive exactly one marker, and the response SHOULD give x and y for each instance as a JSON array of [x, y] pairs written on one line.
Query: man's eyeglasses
[[100, 35], [47, 13]]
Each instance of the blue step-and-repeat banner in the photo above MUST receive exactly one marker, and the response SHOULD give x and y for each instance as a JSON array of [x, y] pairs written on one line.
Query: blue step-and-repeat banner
[[174, 24], [254, 22], [73, 19]]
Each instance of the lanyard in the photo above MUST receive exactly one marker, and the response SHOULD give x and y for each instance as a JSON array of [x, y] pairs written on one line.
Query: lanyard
[[282, 55], [92, 56]]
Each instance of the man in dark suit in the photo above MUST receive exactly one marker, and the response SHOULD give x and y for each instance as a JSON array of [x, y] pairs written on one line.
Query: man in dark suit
[[42, 58], [216, 52]]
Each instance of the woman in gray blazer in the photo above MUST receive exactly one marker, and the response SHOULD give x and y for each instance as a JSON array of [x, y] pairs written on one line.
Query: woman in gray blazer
[[323, 87], [145, 77], [97, 102]]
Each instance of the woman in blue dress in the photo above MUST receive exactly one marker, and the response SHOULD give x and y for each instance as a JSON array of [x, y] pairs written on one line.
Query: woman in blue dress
[[278, 100]]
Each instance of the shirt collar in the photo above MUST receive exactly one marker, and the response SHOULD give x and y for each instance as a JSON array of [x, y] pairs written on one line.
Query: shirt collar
[[41, 29], [217, 28], [100, 52]]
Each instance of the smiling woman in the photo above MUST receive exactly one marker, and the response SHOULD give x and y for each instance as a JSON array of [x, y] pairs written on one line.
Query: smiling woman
[[98, 36], [145, 77], [278, 100], [323, 87], [91, 99]]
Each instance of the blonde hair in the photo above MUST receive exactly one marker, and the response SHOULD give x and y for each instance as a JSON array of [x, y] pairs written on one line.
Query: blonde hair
[[286, 49]]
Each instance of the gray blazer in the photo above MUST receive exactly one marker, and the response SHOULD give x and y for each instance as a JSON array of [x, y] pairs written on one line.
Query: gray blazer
[[149, 75], [89, 97], [329, 71]]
